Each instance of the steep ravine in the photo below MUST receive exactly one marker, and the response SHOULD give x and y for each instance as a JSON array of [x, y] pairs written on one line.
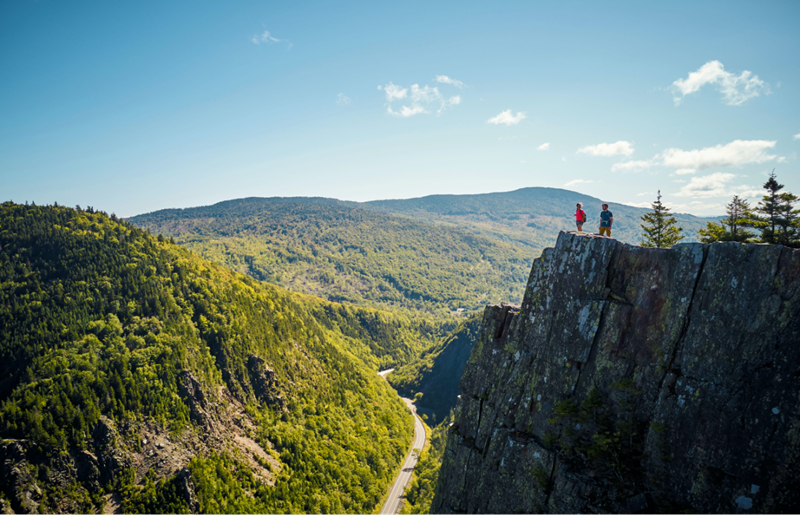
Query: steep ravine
[[634, 379]]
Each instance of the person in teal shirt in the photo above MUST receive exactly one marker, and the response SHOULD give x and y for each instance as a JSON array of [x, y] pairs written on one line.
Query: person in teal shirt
[[606, 219]]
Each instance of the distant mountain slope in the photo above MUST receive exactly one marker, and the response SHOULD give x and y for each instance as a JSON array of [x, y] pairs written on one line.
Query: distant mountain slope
[[529, 216], [129, 366], [438, 369], [342, 252]]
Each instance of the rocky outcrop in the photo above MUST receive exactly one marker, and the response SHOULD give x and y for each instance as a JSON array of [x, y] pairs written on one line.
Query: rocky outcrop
[[16, 477], [634, 379], [265, 385]]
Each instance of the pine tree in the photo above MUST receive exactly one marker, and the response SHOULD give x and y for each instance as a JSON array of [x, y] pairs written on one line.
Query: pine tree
[[769, 208], [789, 220], [740, 216], [660, 227]]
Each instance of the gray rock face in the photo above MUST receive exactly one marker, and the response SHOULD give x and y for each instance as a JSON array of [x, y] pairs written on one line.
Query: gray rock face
[[265, 384], [634, 379]]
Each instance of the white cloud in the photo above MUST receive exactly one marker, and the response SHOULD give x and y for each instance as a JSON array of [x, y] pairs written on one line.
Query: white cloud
[[543, 146], [735, 153], [507, 118], [608, 149], [264, 37], [406, 111], [342, 99], [796, 136], [575, 182], [631, 166], [685, 171], [564, 159], [444, 79], [735, 88], [420, 98], [638, 204], [714, 185], [749, 191], [394, 92], [697, 207], [642, 194], [426, 94]]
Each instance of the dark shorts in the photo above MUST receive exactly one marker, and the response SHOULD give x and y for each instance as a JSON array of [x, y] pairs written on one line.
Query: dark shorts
[[579, 223]]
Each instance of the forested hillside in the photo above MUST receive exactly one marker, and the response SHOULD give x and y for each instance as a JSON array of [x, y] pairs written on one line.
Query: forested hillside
[[435, 374], [141, 377], [531, 217], [345, 253]]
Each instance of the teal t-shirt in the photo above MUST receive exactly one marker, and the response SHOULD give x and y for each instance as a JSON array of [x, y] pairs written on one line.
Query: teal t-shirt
[[605, 218]]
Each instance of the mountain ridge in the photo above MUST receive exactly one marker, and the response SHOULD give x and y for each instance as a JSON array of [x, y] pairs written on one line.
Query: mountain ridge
[[140, 376]]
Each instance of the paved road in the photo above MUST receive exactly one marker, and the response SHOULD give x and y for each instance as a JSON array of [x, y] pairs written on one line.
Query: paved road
[[398, 488]]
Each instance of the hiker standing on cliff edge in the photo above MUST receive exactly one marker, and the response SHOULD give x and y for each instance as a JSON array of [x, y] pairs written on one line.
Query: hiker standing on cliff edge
[[580, 217], [606, 219]]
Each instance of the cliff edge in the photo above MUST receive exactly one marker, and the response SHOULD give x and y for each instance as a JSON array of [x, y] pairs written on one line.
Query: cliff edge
[[634, 379]]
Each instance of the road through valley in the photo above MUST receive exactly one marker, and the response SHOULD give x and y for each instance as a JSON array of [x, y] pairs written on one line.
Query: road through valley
[[392, 504]]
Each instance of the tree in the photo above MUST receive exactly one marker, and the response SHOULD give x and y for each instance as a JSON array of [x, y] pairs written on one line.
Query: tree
[[740, 216], [660, 227], [780, 222], [769, 208], [789, 220]]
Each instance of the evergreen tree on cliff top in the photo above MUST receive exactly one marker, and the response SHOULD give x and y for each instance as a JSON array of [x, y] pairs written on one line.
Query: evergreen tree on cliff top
[[660, 227], [779, 221], [740, 216]]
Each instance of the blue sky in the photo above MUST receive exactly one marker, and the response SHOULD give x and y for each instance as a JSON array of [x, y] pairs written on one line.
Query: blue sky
[[132, 107]]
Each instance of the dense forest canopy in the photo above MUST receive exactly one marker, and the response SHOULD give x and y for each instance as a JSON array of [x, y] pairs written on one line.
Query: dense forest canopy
[[345, 253], [104, 322], [527, 217]]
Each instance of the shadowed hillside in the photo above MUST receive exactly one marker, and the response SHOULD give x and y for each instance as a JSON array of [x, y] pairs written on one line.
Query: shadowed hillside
[[437, 371]]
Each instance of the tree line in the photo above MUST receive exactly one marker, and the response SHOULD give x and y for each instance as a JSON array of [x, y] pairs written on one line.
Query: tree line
[[774, 220]]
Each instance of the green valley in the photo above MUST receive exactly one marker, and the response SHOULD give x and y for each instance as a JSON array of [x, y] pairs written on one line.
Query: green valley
[[433, 377], [345, 253]]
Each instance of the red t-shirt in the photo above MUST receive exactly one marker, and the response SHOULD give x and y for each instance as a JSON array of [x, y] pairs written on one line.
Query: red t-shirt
[[579, 215]]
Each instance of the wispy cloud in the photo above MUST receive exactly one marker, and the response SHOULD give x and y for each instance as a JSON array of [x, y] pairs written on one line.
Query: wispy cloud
[[342, 99], [406, 111], [638, 204], [394, 92], [444, 79], [632, 166], [507, 118], [684, 171], [264, 37], [796, 136], [543, 146], [623, 148], [575, 182], [736, 89], [714, 185], [735, 153], [421, 99]]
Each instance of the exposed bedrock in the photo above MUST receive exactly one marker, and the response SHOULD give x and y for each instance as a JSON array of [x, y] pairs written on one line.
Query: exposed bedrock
[[634, 379]]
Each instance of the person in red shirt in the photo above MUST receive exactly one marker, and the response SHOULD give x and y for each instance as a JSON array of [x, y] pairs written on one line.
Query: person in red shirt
[[580, 217]]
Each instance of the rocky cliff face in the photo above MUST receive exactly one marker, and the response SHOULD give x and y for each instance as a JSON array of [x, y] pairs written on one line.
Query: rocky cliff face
[[634, 379]]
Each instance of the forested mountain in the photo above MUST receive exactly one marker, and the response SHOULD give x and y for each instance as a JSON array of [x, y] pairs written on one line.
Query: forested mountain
[[343, 252], [435, 374], [531, 217], [139, 376], [435, 254]]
